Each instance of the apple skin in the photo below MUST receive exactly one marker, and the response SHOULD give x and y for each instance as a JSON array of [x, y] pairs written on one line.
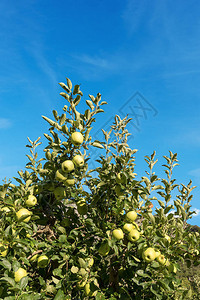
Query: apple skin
[[3, 250], [78, 160], [70, 181], [77, 138], [24, 215], [60, 176], [157, 253], [118, 234], [60, 193], [131, 216], [19, 274], [43, 261], [128, 227], [161, 259], [149, 254], [133, 235], [104, 249], [31, 201], [67, 166]]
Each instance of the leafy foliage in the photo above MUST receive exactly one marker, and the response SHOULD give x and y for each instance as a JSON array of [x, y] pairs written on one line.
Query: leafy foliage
[[76, 213]]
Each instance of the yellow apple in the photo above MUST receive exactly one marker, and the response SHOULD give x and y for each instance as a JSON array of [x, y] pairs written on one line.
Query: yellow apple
[[60, 176], [161, 259], [23, 215], [131, 216], [31, 201], [19, 274], [43, 261], [157, 253], [133, 235], [78, 160], [67, 166], [118, 234], [128, 227], [69, 181], [77, 138], [149, 254]]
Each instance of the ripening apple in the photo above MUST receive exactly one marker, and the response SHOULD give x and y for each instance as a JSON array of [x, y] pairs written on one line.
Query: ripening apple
[[31, 201], [77, 138], [161, 259], [128, 227], [104, 249], [3, 250], [60, 176], [78, 160], [118, 234], [133, 235], [19, 274], [43, 261], [60, 193], [131, 216], [24, 215], [69, 181], [149, 254], [67, 166]]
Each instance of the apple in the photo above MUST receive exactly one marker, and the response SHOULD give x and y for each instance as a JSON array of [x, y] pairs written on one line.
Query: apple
[[150, 205], [77, 138], [3, 250], [133, 235], [119, 191], [19, 274], [60, 193], [78, 160], [87, 289], [121, 178], [31, 201], [67, 166], [60, 176], [104, 249], [118, 234], [149, 254], [43, 261], [157, 253], [128, 227], [131, 216], [69, 181], [24, 215], [161, 259]]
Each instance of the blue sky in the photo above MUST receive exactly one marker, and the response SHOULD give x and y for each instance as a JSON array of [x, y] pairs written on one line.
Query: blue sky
[[145, 51]]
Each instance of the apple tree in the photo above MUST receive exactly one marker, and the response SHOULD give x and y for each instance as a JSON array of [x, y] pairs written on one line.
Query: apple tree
[[71, 232]]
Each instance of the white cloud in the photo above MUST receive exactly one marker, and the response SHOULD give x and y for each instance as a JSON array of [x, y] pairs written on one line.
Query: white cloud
[[197, 212], [5, 123]]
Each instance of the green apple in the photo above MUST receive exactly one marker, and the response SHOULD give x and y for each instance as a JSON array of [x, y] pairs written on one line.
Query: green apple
[[43, 261], [78, 160], [157, 253], [133, 235], [24, 215], [60, 193], [87, 289], [118, 234], [19, 274], [131, 216], [77, 138], [161, 259], [104, 249], [3, 250], [31, 201], [119, 191], [69, 181], [60, 176], [149, 254], [67, 166], [128, 227]]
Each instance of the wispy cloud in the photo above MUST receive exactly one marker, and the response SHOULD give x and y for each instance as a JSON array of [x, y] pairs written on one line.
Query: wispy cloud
[[5, 123], [197, 212]]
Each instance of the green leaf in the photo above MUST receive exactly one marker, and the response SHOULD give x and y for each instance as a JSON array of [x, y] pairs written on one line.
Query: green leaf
[[9, 280], [69, 83], [90, 104], [60, 295], [74, 269], [23, 282], [63, 85], [98, 145], [6, 264]]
